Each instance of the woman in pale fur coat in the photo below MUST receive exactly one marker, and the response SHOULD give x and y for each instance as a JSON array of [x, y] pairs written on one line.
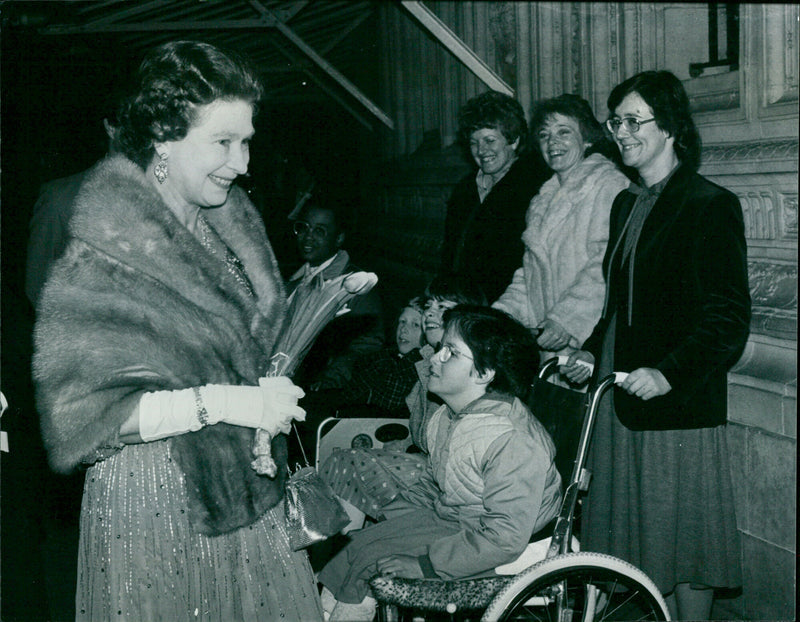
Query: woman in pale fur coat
[[559, 289], [152, 342]]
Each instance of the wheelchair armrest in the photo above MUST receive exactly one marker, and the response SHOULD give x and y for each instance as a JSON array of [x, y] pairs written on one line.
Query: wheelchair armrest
[[379, 430]]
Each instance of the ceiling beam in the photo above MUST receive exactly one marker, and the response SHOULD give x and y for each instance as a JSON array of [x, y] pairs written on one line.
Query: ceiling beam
[[130, 10], [63, 29], [267, 19], [456, 46], [325, 65], [345, 32], [324, 88], [289, 12]]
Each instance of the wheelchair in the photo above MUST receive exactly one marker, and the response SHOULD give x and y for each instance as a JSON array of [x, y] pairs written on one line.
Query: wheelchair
[[552, 580]]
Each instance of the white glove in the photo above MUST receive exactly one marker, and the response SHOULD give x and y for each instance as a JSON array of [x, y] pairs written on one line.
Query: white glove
[[271, 406]]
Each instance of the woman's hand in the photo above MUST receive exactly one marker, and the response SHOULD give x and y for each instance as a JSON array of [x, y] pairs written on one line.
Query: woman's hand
[[270, 406], [646, 383], [279, 401], [576, 372], [405, 566], [553, 336]]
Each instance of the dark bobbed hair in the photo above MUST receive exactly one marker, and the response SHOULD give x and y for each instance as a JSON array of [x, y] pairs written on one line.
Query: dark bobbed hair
[[456, 288], [498, 343], [577, 108], [664, 93], [173, 80], [493, 110]]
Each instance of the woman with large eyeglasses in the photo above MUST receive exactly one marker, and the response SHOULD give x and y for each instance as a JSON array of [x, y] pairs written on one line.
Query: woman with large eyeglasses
[[676, 317]]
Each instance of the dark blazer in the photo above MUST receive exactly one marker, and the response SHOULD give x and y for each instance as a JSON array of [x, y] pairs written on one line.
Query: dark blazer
[[690, 302], [483, 241]]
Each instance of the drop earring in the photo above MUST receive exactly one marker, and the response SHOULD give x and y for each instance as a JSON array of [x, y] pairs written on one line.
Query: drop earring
[[160, 170]]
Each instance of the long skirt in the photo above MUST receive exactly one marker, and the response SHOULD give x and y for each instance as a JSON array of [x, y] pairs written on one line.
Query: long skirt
[[662, 500], [139, 558]]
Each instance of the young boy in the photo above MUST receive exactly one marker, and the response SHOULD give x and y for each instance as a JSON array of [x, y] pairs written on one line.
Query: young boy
[[490, 480], [384, 378], [378, 387]]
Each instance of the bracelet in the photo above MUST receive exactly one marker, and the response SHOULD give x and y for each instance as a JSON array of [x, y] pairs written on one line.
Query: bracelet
[[202, 413]]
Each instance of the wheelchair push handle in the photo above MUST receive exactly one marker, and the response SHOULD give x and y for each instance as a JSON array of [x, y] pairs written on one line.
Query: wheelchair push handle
[[551, 365], [562, 535]]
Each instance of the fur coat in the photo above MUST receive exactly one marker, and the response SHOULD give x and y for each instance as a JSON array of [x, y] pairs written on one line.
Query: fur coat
[[137, 304], [561, 277]]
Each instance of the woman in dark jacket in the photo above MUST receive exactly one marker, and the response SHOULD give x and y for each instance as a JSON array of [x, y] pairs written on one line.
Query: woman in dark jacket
[[486, 212], [676, 317]]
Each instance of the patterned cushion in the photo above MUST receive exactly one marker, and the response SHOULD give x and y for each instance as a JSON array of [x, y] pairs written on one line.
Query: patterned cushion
[[435, 594]]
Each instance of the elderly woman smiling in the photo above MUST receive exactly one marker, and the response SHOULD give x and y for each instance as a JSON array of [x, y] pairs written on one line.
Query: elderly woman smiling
[[558, 291], [152, 342]]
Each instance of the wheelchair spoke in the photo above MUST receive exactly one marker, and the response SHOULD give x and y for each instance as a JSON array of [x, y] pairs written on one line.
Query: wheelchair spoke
[[580, 593]]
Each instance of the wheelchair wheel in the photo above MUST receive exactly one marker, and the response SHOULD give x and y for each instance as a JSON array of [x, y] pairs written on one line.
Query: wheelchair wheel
[[579, 587]]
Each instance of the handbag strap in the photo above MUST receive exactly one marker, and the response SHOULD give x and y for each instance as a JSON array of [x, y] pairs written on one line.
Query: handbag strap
[[300, 443]]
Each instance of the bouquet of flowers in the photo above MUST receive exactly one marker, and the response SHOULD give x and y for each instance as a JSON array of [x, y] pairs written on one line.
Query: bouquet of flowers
[[313, 305]]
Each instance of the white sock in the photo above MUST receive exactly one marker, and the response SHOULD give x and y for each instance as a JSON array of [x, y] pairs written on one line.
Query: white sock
[[356, 516], [358, 612], [328, 601]]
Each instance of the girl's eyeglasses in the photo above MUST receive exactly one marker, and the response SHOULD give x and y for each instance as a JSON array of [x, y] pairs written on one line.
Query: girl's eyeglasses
[[446, 352]]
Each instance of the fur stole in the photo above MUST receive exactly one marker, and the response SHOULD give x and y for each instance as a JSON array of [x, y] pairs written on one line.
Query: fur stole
[[137, 304]]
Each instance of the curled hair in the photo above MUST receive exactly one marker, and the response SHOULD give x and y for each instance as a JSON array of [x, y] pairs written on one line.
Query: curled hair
[[496, 111], [576, 108], [664, 93], [498, 343], [455, 288], [172, 82]]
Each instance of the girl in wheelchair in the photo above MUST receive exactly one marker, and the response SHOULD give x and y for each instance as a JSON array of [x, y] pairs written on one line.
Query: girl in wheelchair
[[366, 479], [490, 480]]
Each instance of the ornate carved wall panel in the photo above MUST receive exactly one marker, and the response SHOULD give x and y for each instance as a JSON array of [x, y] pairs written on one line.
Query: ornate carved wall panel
[[748, 120], [747, 115], [780, 54], [764, 177]]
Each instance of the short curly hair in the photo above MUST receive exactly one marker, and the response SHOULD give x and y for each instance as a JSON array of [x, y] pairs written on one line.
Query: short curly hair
[[498, 343], [496, 111], [664, 93], [577, 108], [173, 81]]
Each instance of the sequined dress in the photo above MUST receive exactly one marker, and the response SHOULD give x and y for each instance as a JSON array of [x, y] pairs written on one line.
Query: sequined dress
[[139, 303], [140, 560]]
